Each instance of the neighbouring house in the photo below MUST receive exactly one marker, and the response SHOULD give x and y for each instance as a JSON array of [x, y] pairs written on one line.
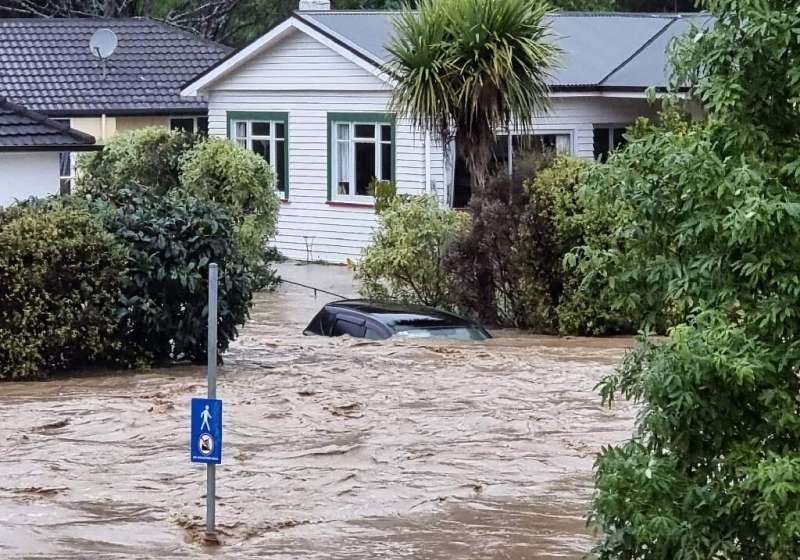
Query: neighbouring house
[[311, 96], [30, 145], [46, 66]]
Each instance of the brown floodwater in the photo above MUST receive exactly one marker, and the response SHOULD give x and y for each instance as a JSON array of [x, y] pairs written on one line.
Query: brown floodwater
[[333, 448]]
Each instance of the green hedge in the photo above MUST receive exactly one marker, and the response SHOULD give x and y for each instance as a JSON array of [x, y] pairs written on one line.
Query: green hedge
[[60, 280]]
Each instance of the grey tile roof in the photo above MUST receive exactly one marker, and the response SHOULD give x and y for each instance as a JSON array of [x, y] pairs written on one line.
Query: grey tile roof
[[24, 130], [614, 50], [45, 64]]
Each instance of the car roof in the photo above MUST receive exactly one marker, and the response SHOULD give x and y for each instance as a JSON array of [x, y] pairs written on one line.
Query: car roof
[[401, 315]]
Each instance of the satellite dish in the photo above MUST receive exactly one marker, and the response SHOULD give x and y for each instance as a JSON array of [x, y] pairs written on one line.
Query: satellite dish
[[103, 43]]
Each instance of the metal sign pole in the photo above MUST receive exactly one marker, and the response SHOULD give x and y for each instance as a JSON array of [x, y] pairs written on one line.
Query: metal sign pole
[[211, 480]]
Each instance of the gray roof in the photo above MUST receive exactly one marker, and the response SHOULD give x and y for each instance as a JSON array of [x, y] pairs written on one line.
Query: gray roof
[[25, 130], [601, 50], [45, 65]]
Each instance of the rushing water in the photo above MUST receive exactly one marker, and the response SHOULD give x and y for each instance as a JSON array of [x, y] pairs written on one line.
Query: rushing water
[[334, 448]]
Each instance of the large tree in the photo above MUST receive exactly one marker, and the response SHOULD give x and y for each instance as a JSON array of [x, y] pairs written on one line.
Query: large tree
[[713, 226], [465, 69]]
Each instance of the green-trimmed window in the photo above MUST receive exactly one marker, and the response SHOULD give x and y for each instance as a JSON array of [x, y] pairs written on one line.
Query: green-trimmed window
[[267, 134], [361, 147]]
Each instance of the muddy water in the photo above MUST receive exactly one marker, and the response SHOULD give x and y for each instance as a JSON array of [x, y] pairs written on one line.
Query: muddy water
[[334, 448]]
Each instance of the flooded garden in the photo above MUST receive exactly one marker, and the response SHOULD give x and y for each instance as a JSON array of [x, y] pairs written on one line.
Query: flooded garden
[[333, 447]]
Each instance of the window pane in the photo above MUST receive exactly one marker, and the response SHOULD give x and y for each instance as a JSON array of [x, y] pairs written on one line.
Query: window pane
[[64, 164], [202, 125], [260, 129], [386, 162], [242, 142], [261, 147], [386, 133], [280, 165], [619, 140], [66, 186], [365, 131], [280, 130], [365, 167], [241, 129], [563, 144], [601, 144], [343, 167], [184, 124], [343, 131]]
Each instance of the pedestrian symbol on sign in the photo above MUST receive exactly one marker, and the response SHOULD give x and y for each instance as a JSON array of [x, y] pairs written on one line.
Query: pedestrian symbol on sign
[[205, 415]]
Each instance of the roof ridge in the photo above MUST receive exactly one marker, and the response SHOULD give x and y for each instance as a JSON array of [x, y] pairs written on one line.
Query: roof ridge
[[638, 51]]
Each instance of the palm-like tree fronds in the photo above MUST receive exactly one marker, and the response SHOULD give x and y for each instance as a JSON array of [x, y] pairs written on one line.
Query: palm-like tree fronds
[[467, 68]]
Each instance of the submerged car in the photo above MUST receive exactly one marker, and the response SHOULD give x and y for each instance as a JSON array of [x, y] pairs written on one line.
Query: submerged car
[[378, 321]]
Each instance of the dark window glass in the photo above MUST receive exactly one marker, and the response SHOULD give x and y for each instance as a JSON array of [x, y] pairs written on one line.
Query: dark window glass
[[202, 125], [280, 130], [386, 162], [64, 164], [619, 138], [280, 165], [365, 131], [354, 328], [260, 129], [184, 124], [365, 167], [601, 144], [462, 188], [261, 147], [386, 133], [65, 186]]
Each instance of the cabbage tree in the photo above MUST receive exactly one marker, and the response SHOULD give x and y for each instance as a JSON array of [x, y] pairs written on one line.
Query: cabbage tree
[[465, 69]]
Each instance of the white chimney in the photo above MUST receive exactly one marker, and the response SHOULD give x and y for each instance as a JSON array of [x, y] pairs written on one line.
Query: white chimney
[[308, 5]]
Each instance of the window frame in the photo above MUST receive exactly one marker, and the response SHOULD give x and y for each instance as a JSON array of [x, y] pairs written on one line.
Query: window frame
[[537, 132], [193, 118], [271, 117], [354, 119], [609, 128], [66, 182]]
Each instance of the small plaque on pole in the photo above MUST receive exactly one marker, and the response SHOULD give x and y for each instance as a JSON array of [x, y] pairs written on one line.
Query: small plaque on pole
[[206, 431]]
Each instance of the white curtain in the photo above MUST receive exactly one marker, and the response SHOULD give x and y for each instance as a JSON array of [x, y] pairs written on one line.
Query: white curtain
[[563, 144]]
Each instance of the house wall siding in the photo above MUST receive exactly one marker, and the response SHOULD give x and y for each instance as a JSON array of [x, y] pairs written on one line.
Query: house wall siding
[[308, 80], [26, 174]]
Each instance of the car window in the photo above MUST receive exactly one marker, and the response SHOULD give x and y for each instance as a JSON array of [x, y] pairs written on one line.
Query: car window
[[346, 325], [455, 333]]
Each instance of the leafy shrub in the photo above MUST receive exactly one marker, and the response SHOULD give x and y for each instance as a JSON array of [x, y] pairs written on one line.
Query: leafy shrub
[[147, 157], [170, 241], [584, 305], [713, 467], [503, 266], [244, 183], [405, 260], [383, 191], [60, 279]]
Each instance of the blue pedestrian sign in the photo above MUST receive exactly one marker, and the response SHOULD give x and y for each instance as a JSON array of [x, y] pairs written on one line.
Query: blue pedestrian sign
[[206, 444]]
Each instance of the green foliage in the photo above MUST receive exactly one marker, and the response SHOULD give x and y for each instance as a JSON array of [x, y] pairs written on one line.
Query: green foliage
[[579, 294], [466, 68], [60, 277], [158, 161], [170, 240], [405, 261], [244, 183], [148, 157], [713, 228], [503, 266], [383, 191]]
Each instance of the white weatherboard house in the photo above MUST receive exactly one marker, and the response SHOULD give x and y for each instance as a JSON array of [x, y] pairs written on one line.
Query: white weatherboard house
[[311, 97]]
